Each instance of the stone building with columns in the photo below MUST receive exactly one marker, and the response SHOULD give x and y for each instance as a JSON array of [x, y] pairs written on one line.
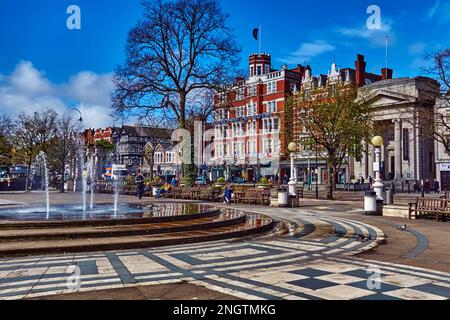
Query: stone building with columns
[[408, 153], [443, 154]]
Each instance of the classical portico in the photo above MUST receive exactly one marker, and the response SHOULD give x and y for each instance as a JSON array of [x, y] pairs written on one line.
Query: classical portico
[[408, 154]]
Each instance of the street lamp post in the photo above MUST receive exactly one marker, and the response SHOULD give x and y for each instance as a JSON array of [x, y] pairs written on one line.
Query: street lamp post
[[378, 186], [292, 147], [317, 174]]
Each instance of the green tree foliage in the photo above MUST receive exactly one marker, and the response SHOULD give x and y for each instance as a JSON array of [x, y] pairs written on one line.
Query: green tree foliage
[[337, 121]]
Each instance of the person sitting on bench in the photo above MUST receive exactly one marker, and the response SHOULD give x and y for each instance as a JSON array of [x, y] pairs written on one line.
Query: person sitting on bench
[[164, 189], [227, 195]]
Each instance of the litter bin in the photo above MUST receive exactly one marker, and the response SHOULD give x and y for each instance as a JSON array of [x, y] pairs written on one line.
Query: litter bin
[[282, 198], [389, 197], [293, 202], [370, 203]]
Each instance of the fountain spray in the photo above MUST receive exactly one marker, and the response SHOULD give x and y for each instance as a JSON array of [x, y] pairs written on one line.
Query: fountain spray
[[42, 160], [91, 177]]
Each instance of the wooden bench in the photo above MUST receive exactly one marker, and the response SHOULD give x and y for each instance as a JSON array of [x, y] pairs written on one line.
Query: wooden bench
[[437, 209], [256, 196], [186, 193], [238, 194], [206, 194]]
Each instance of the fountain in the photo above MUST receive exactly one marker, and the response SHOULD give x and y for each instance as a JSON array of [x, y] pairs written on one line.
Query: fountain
[[84, 190], [41, 160], [92, 184], [116, 196]]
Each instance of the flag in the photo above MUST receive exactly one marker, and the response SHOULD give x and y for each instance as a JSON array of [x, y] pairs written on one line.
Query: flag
[[255, 33]]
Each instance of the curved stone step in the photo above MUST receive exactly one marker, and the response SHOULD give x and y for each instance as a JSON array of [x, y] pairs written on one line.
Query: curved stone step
[[23, 235], [253, 226]]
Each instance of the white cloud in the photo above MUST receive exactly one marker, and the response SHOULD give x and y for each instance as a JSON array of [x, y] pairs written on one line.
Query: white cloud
[[90, 87], [376, 37], [307, 51], [417, 48], [439, 12], [28, 79], [27, 90]]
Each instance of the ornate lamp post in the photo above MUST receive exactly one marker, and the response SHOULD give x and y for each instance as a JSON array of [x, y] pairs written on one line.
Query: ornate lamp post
[[378, 186], [292, 147]]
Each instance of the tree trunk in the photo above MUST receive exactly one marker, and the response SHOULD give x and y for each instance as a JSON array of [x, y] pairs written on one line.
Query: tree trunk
[[152, 166], [63, 171], [27, 179], [189, 172], [330, 181]]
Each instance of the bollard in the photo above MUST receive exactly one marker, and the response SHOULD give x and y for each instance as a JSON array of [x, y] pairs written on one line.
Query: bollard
[[370, 203], [389, 197], [282, 199]]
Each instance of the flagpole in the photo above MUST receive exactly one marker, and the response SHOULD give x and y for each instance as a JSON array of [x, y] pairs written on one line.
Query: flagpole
[[387, 52], [260, 39]]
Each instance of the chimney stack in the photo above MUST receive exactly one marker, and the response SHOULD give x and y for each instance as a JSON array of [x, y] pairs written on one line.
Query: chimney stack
[[360, 70], [386, 73]]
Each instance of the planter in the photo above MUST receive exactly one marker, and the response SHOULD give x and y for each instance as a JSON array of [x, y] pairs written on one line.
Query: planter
[[264, 187], [155, 191]]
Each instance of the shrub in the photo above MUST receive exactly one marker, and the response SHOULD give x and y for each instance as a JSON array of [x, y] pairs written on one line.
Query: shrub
[[130, 181], [156, 181], [264, 181], [221, 180]]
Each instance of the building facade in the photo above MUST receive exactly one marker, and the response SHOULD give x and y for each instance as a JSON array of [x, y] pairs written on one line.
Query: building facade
[[136, 147], [249, 121], [408, 153], [442, 153], [310, 162], [397, 105]]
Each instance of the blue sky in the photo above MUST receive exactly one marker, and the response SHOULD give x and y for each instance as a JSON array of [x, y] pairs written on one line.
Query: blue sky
[[43, 63]]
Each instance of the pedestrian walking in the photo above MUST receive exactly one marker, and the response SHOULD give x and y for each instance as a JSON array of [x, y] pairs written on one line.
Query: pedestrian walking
[[140, 185]]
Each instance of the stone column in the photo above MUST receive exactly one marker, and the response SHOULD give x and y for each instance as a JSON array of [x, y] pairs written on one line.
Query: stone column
[[398, 149]]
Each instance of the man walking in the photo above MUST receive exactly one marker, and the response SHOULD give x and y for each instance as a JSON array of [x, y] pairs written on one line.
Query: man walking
[[140, 185]]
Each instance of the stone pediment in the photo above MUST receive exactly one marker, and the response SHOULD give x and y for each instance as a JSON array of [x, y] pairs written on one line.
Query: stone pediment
[[384, 98]]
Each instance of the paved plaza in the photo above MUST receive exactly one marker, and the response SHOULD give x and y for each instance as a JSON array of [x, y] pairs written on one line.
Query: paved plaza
[[331, 252]]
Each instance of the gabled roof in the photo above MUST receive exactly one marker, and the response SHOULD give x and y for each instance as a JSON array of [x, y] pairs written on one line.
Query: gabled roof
[[134, 131]]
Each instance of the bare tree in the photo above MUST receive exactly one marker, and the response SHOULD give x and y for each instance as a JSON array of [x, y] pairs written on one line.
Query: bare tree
[[34, 133], [439, 128], [179, 47], [440, 68], [6, 126], [66, 128], [46, 127]]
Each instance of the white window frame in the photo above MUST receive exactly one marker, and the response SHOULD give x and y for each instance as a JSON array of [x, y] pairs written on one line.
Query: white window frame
[[271, 87]]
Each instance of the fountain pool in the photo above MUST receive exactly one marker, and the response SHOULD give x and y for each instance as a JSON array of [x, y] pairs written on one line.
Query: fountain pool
[[100, 212]]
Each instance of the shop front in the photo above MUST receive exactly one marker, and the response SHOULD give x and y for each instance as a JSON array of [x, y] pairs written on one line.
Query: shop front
[[445, 176]]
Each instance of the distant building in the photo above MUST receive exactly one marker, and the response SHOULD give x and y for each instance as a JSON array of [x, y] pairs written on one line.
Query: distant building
[[131, 143], [249, 121], [309, 165], [408, 153]]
